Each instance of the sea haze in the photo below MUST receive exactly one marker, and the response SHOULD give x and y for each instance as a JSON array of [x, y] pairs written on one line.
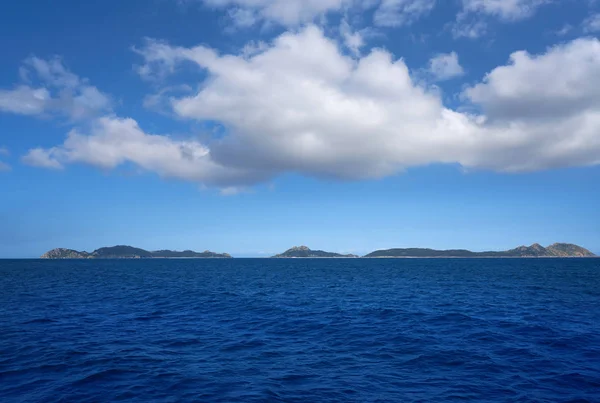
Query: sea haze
[[300, 330]]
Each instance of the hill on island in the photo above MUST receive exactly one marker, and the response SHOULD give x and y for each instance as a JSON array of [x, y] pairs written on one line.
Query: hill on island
[[304, 252], [128, 252], [535, 250]]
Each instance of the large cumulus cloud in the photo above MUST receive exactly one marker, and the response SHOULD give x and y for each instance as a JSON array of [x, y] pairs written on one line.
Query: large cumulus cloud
[[301, 105]]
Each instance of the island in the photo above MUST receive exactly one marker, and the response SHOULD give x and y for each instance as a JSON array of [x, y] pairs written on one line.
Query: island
[[535, 250], [306, 252], [129, 252]]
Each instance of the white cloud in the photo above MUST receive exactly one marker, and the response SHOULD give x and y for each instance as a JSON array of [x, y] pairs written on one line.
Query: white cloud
[[592, 23], [243, 17], [564, 30], [507, 10], [160, 59], [394, 13], [547, 105], [562, 82], [386, 13], [445, 66], [292, 13], [24, 100], [115, 141], [301, 105], [471, 22], [246, 13], [42, 158], [354, 41], [471, 30], [320, 112], [56, 91]]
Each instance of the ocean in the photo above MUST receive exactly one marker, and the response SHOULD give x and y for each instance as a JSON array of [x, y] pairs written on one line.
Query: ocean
[[300, 330]]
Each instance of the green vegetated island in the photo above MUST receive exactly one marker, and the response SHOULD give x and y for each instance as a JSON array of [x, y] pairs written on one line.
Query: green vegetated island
[[535, 250], [303, 251], [129, 252]]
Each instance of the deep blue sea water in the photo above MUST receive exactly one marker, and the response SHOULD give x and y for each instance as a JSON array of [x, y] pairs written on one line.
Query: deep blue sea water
[[315, 330]]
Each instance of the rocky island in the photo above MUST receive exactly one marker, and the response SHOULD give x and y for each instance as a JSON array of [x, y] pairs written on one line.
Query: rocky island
[[128, 252], [306, 252], [535, 250]]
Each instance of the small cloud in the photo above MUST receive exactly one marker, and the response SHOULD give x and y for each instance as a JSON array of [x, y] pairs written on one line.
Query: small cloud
[[159, 59], [56, 91], [289, 13], [38, 157], [445, 67], [469, 30], [353, 40], [396, 13], [564, 30], [472, 21], [233, 190], [592, 24], [513, 10]]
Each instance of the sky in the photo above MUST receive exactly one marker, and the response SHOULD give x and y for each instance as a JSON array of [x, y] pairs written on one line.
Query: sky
[[251, 126]]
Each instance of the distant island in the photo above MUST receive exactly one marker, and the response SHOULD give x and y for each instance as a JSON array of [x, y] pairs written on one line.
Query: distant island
[[129, 252], [305, 252], [535, 250]]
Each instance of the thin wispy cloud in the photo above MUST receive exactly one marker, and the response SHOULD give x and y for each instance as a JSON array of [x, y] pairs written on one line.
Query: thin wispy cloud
[[4, 167], [48, 88], [592, 24]]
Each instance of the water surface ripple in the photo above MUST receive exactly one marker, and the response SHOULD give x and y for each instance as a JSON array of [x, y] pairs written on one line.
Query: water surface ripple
[[315, 330]]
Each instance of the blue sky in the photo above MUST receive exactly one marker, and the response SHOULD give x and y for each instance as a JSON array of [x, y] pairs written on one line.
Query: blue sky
[[250, 126]]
